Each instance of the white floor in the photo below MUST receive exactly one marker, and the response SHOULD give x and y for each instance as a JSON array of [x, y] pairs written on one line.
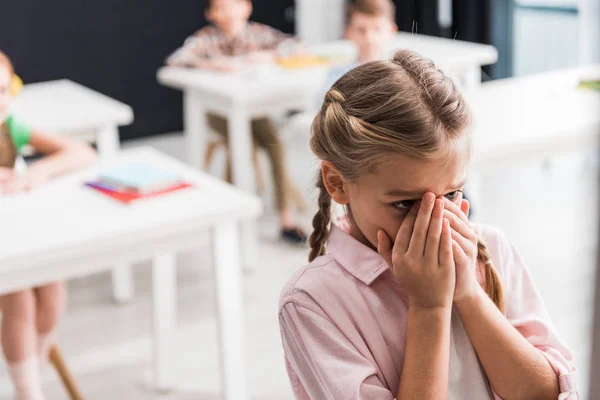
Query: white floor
[[547, 209]]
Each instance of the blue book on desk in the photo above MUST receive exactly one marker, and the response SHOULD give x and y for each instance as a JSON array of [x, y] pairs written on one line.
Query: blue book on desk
[[140, 178]]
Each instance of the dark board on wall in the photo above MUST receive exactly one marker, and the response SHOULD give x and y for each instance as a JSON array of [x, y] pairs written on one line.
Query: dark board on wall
[[114, 47], [481, 21]]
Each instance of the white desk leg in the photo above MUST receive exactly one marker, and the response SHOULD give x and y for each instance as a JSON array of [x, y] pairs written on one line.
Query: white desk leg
[[164, 291], [230, 306], [107, 142], [194, 115], [472, 77], [240, 146]]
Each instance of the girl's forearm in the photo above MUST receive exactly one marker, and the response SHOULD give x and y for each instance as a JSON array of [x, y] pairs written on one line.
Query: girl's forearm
[[426, 358], [71, 158], [515, 368]]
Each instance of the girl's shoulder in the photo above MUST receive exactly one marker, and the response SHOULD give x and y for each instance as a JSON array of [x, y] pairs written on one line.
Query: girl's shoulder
[[311, 281]]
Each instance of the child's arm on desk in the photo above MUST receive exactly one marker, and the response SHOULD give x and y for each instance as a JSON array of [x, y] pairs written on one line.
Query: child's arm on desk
[[61, 156]]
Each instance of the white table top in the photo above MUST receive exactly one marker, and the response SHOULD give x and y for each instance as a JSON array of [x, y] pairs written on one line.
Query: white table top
[[447, 53], [270, 82], [67, 107], [266, 83], [65, 219], [534, 114]]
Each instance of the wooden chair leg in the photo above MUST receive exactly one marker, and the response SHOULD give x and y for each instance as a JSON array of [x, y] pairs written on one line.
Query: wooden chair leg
[[57, 360], [228, 176], [210, 153], [260, 178]]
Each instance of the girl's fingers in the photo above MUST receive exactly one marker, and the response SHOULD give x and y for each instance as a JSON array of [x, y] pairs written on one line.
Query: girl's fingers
[[384, 247], [419, 236], [465, 244], [449, 205], [404, 234], [459, 225], [458, 252], [432, 245], [465, 206], [446, 256]]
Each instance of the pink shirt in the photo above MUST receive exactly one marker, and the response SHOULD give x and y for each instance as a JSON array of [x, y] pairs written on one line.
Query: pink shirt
[[343, 325]]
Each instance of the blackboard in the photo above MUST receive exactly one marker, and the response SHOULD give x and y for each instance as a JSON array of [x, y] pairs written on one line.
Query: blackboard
[[114, 47]]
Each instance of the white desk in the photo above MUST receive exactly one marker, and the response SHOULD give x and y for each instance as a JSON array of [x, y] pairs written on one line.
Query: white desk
[[71, 109], [68, 108], [64, 230], [459, 59], [240, 97], [533, 116]]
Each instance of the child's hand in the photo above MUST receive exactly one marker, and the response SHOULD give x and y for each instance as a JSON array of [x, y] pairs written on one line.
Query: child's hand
[[23, 183], [464, 248], [6, 174], [421, 256]]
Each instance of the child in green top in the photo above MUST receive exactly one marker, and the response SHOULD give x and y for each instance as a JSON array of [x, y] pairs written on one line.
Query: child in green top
[[29, 317]]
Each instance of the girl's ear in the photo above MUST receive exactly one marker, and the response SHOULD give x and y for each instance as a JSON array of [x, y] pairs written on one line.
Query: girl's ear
[[334, 183]]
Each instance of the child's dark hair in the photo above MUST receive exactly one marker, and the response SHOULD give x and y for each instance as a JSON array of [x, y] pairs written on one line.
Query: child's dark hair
[[373, 8], [385, 108]]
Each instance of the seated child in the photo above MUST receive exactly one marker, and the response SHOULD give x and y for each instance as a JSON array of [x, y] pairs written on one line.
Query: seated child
[[220, 46], [371, 26], [30, 317]]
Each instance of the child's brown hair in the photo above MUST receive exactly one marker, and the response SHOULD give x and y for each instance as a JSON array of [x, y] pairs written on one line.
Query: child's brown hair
[[373, 8], [384, 108]]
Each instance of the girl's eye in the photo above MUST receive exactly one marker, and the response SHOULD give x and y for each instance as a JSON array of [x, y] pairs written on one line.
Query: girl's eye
[[404, 204], [453, 195]]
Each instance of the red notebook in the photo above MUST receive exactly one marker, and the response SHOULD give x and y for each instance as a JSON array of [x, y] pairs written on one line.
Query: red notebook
[[127, 198]]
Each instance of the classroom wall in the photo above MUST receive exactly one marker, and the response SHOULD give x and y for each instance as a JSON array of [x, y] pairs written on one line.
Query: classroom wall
[[553, 44], [113, 46]]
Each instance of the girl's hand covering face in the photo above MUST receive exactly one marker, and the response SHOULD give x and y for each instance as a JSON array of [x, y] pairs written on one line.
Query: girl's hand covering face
[[421, 256], [464, 249]]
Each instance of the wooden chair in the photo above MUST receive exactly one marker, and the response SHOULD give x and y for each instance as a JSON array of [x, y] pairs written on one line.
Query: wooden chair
[[57, 360]]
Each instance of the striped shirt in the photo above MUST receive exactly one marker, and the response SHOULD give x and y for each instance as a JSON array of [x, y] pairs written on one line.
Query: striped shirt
[[210, 42]]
